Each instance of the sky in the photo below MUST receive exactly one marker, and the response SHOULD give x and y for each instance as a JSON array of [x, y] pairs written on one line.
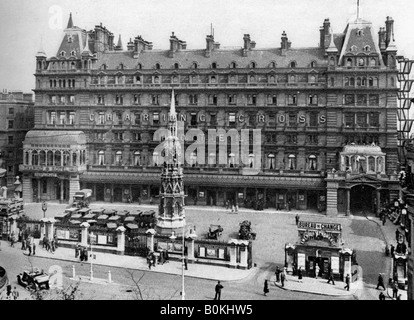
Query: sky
[[23, 23]]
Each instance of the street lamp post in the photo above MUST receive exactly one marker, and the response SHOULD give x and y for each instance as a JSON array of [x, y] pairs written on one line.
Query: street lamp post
[[44, 208], [173, 237]]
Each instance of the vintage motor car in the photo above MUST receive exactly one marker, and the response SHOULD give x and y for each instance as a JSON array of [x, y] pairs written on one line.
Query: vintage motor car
[[33, 280]]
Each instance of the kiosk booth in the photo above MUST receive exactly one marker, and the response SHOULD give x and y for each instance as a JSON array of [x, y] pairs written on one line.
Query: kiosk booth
[[319, 244]]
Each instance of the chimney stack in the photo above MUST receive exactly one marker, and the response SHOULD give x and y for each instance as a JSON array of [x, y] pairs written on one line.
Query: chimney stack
[[176, 45], [247, 44], [389, 29], [141, 45], [285, 44]]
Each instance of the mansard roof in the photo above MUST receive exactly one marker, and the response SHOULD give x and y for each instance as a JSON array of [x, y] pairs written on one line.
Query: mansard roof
[[223, 58]]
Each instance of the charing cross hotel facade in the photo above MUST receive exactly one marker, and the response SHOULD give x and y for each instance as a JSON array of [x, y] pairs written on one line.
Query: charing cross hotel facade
[[327, 115]]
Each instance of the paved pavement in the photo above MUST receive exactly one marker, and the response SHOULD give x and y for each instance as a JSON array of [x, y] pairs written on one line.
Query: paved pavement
[[274, 229]]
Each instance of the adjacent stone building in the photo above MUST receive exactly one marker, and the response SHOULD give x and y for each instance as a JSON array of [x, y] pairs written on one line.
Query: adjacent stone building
[[327, 115]]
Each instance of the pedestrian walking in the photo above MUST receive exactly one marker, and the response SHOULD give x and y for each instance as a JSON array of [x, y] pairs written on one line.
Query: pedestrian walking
[[399, 297], [227, 204], [232, 208], [167, 257], [85, 254], [77, 250], [34, 248], [149, 262], [154, 259], [44, 241], [15, 293], [29, 246], [394, 290], [294, 270], [381, 296], [330, 277], [265, 288], [347, 281], [162, 257], [277, 273], [282, 279], [380, 282], [300, 274], [23, 243], [384, 219], [12, 239], [297, 219], [317, 270], [185, 263], [52, 246], [218, 288]]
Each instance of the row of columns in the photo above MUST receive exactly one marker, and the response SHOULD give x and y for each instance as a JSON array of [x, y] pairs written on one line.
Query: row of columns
[[71, 160]]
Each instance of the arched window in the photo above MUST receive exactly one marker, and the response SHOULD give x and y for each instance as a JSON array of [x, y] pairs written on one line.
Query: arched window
[[194, 65], [352, 81], [370, 81], [371, 164], [332, 61], [139, 66], [101, 158], [360, 33], [73, 53], [364, 81], [313, 64], [157, 66], [74, 159], [292, 162], [121, 66], [367, 48], [359, 82], [253, 65], [272, 79], [271, 161], [332, 82], [137, 158], [175, 79], [312, 162], [361, 62], [233, 65], [118, 158], [49, 158], [292, 64], [42, 158], [176, 66], [346, 82], [272, 64], [349, 63], [62, 53], [156, 79], [214, 65], [232, 79], [231, 160], [66, 158], [35, 158], [373, 62], [213, 79], [252, 79], [26, 157], [312, 79], [58, 157]]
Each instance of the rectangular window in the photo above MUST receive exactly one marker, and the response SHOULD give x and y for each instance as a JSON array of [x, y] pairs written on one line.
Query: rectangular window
[[11, 111], [193, 99], [313, 99], [292, 99], [62, 117], [155, 118], [10, 169], [72, 99], [231, 98], [119, 99], [349, 120], [137, 118], [71, 117], [362, 119], [373, 100], [313, 119], [213, 119], [374, 119], [101, 119], [313, 139], [53, 99], [44, 186], [137, 99], [52, 117], [291, 138], [292, 119], [193, 120], [232, 118], [100, 99], [362, 99], [349, 99], [137, 136], [62, 99], [10, 139], [11, 124], [272, 119], [155, 100]]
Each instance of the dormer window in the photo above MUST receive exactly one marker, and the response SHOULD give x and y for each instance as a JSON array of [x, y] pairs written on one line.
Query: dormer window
[[176, 66], [313, 64], [174, 79], [213, 79], [292, 64], [157, 66], [62, 54], [156, 79], [361, 62], [373, 62], [214, 65], [354, 48], [349, 63], [194, 65], [252, 79], [367, 48], [272, 64], [252, 65], [72, 53], [360, 33], [121, 66], [103, 67], [272, 79], [233, 65], [139, 66], [70, 38]]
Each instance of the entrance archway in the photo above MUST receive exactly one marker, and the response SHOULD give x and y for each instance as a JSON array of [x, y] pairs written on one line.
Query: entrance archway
[[363, 199]]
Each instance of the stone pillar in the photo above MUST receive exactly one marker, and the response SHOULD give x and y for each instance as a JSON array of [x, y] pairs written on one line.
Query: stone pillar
[[50, 225], [348, 202], [61, 190], [233, 255], [84, 234], [38, 190], [190, 247], [150, 234], [42, 229], [27, 189], [243, 254], [378, 192], [332, 198], [121, 240]]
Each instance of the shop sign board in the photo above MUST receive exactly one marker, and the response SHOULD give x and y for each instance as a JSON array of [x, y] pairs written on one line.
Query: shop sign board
[[319, 226]]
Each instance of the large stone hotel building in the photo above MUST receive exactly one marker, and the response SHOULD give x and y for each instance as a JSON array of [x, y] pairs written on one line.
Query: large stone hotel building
[[327, 115]]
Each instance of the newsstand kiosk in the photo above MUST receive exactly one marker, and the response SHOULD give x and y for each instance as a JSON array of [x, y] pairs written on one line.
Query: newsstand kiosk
[[319, 244]]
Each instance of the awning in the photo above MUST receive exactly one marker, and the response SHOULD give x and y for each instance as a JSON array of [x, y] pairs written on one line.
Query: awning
[[111, 225], [75, 221], [132, 226]]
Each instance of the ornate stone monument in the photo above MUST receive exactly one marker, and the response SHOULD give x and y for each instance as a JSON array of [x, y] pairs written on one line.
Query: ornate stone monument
[[171, 213]]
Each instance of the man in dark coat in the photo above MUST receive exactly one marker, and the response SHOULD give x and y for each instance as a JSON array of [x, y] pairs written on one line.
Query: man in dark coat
[[380, 282], [277, 273], [384, 219], [381, 296], [330, 277], [394, 290], [282, 279], [347, 281], [297, 219], [218, 291]]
